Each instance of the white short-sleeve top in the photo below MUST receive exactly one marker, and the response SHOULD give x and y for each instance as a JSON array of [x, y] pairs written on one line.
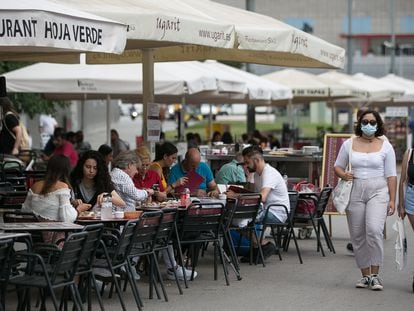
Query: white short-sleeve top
[[369, 165]]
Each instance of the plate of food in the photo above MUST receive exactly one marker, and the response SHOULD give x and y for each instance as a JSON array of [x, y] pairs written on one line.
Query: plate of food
[[87, 215]]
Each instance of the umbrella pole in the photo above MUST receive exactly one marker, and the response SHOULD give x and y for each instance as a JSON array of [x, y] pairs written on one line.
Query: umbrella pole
[[181, 123], [210, 123], [108, 119], [147, 92]]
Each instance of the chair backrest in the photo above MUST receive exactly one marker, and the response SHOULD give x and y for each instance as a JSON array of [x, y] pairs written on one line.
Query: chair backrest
[[125, 241], [33, 176], [202, 218], [6, 247], [12, 199], [6, 186], [167, 227], [146, 233], [91, 245], [322, 201], [70, 256], [293, 201], [246, 206], [19, 216]]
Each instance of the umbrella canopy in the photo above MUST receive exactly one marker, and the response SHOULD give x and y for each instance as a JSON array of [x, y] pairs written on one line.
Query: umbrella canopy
[[79, 81], [258, 90], [211, 30], [41, 26], [305, 86], [401, 83]]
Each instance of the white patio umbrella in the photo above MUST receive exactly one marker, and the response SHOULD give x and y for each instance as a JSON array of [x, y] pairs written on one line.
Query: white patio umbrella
[[305, 86], [258, 38], [400, 82], [174, 82], [28, 27], [202, 29]]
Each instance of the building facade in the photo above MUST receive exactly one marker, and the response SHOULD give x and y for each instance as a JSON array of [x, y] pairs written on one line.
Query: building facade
[[370, 34]]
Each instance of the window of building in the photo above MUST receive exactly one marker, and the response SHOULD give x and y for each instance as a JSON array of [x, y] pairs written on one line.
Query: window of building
[[407, 24], [360, 24]]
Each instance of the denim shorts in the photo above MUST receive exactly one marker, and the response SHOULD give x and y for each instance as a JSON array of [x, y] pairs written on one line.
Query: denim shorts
[[409, 199]]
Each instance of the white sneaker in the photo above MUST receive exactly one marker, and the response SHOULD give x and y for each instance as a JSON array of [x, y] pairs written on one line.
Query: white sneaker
[[180, 275], [104, 273], [135, 274], [364, 282], [376, 283]]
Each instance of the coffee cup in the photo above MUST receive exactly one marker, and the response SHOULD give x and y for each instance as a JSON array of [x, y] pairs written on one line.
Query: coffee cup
[[119, 214]]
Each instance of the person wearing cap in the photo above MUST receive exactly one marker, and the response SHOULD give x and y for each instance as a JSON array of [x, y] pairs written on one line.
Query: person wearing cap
[[232, 172]]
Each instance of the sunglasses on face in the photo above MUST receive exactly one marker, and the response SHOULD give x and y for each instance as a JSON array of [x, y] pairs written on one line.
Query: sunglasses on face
[[372, 122]]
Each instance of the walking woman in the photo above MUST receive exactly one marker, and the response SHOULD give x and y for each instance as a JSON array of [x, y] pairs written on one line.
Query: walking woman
[[91, 180], [373, 194], [406, 189]]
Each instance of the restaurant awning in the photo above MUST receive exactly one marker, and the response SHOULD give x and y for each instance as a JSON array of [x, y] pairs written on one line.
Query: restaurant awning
[[28, 27]]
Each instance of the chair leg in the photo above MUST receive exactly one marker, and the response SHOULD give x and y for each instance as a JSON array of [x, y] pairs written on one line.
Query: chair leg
[[220, 251], [318, 238], [277, 239], [159, 276], [292, 233], [134, 287], [327, 236], [92, 280], [180, 290], [180, 254], [259, 245], [233, 253]]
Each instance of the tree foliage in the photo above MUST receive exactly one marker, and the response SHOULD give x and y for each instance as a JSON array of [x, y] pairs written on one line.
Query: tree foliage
[[29, 103]]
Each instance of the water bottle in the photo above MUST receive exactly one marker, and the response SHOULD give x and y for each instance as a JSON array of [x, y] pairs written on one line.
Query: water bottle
[[106, 206], [185, 197]]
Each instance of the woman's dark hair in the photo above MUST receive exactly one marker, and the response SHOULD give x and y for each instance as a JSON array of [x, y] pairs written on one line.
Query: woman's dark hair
[[7, 105], [102, 178], [167, 149], [226, 138], [104, 150], [380, 124], [216, 136], [58, 169]]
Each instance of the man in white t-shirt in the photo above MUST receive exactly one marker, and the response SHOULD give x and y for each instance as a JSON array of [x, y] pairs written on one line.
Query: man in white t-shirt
[[47, 125], [268, 182]]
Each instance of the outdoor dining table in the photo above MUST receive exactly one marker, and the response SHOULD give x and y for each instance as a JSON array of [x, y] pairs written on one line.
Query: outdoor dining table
[[40, 226], [13, 235]]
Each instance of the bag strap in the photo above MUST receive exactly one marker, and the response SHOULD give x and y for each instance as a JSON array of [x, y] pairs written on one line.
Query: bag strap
[[5, 124], [350, 155]]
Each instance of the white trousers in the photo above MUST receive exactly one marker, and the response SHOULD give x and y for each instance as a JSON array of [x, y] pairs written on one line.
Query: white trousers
[[366, 213]]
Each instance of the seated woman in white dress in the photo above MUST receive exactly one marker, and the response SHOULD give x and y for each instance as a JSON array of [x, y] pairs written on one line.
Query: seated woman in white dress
[[49, 199]]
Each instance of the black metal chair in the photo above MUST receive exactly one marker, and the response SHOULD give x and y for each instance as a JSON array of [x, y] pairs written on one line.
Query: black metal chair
[[202, 224], [144, 243], [88, 256], [246, 209], [315, 217], [6, 248], [281, 232], [19, 216], [115, 251], [168, 228], [60, 275]]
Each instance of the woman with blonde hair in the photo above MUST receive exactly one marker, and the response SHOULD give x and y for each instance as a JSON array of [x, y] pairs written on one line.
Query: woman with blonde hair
[[146, 178]]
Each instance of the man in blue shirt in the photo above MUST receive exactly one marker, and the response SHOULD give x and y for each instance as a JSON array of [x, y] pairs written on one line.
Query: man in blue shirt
[[191, 163], [232, 172]]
